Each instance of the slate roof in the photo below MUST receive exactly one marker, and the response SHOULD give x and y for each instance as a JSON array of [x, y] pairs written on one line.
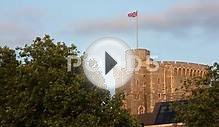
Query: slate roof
[[162, 114]]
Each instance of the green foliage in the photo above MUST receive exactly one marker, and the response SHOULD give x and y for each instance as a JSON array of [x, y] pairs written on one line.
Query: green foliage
[[201, 106], [37, 91]]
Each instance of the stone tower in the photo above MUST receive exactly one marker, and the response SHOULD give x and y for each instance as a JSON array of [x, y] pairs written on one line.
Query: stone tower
[[147, 87]]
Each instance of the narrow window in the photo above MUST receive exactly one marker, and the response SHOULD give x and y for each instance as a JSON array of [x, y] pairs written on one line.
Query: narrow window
[[187, 73], [194, 74], [158, 80], [184, 71], [191, 73], [180, 72], [175, 71], [141, 109], [159, 95]]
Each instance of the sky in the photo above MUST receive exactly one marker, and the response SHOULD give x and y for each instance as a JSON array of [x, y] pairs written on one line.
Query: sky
[[179, 30]]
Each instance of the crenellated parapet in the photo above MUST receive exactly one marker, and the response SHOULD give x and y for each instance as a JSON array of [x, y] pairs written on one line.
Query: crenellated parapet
[[186, 68]]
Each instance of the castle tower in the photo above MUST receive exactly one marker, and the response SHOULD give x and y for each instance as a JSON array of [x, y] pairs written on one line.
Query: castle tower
[[146, 88], [137, 89]]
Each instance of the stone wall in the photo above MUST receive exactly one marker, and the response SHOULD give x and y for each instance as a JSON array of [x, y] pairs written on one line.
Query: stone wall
[[146, 88]]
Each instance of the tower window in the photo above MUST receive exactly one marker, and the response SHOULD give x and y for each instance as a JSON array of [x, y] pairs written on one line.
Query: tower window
[[141, 109], [136, 82], [159, 95]]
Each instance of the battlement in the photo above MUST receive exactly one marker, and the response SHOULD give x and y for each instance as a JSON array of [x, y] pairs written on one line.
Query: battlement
[[143, 54], [180, 63], [186, 68]]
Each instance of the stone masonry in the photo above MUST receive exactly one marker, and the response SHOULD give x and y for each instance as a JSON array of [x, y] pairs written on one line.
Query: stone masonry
[[146, 88]]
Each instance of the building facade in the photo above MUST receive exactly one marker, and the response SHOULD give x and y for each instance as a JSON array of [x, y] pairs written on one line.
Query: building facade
[[149, 86]]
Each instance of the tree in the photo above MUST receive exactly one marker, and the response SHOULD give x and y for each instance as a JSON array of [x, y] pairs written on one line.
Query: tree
[[37, 91], [200, 108]]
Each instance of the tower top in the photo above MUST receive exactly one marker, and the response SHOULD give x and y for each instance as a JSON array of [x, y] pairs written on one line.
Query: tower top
[[143, 54]]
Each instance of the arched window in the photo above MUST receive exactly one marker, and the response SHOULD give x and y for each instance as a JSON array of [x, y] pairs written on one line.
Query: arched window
[[175, 71], [141, 109], [159, 95], [201, 73], [187, 73], [137, 82], [158, 80], [194, 74], [198, 73], [204, 73], [180, 72], [184, 72], [191, 72]]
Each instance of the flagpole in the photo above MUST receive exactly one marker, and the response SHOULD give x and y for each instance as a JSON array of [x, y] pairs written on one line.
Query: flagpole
[[137, 30]]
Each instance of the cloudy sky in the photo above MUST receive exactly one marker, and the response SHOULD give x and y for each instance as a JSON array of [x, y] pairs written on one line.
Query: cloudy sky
[[185, 30]]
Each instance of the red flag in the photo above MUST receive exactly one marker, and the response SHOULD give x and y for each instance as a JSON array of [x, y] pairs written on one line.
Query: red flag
[[133, 14]]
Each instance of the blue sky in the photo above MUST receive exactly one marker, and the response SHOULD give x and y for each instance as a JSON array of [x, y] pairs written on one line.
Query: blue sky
[[185, 30]]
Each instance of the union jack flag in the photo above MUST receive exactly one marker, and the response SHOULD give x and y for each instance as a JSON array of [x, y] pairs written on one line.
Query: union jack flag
[[133, 14]]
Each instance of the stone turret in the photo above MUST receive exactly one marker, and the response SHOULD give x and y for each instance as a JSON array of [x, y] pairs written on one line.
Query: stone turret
[[143, 54]]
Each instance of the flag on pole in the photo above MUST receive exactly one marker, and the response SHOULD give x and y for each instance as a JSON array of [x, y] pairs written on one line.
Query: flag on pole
[[133, 14]]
